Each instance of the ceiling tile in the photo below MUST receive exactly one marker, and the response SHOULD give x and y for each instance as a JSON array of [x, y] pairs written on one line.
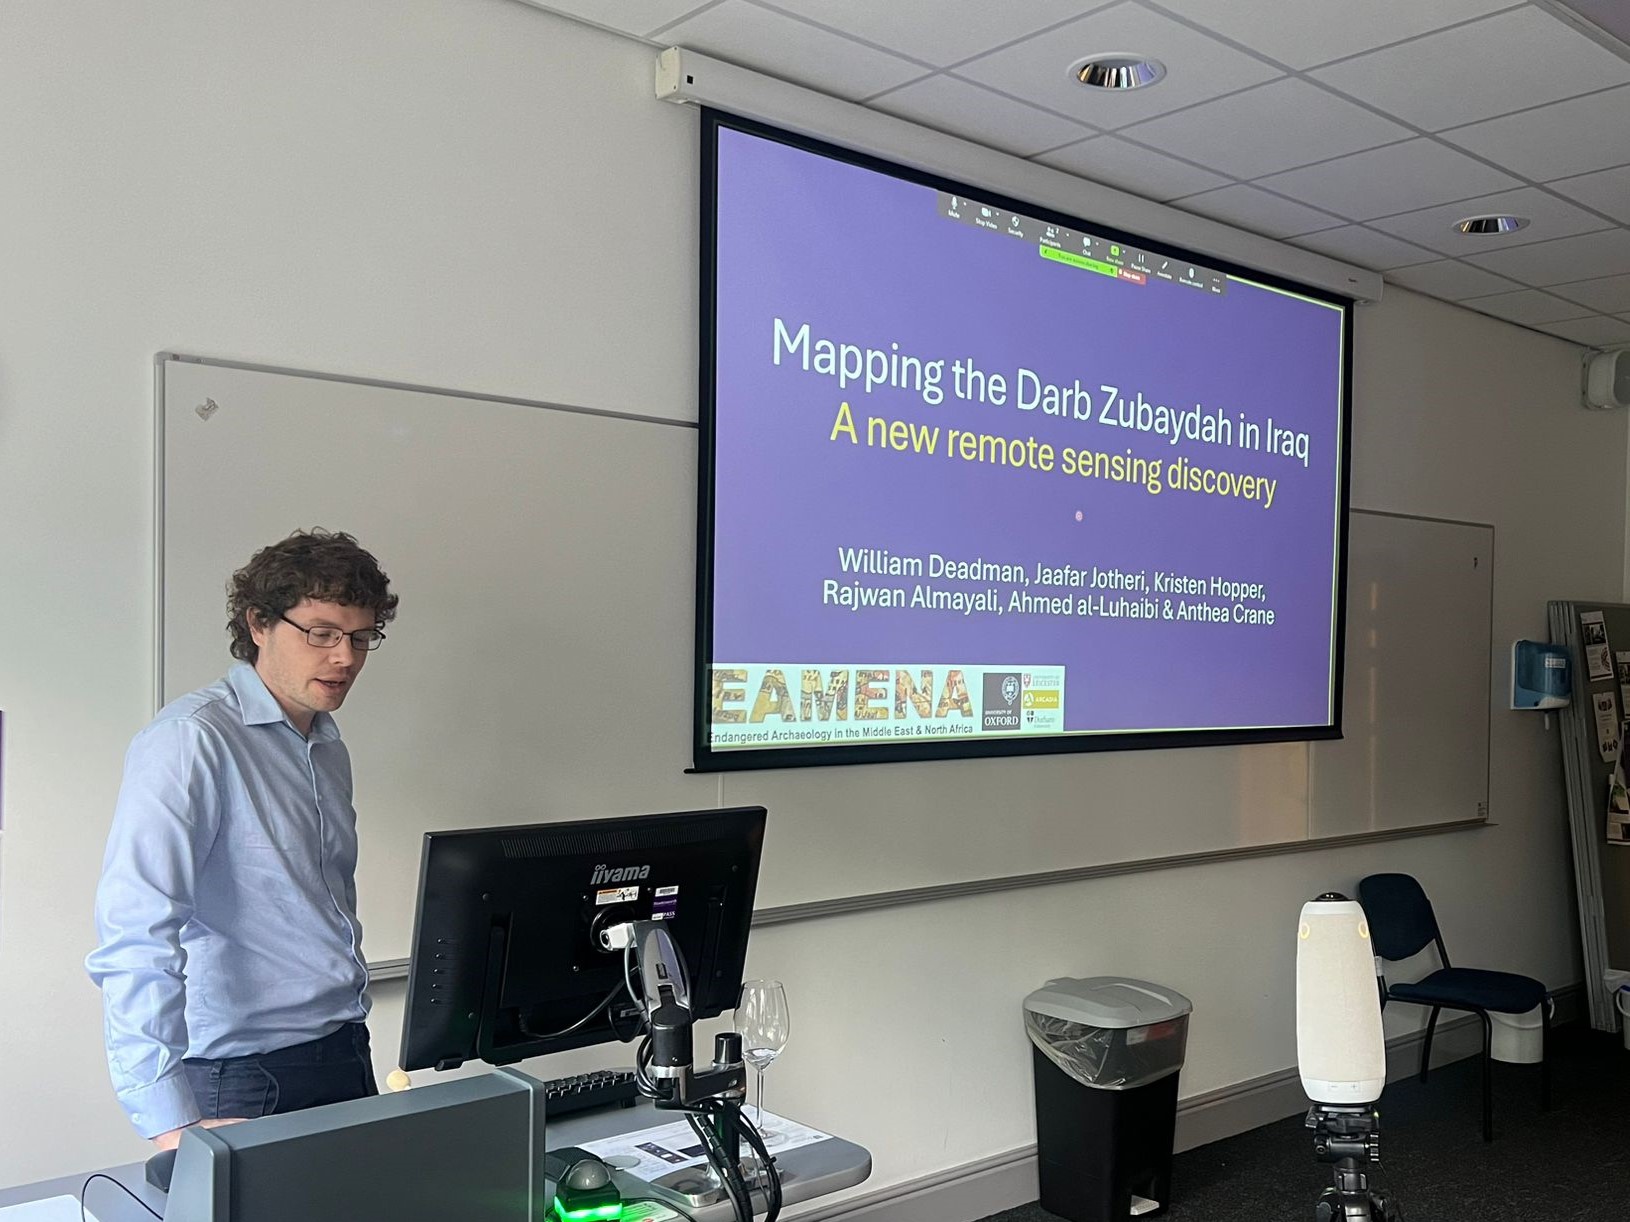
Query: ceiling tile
[[966, 110], [631, 16], [1450, 279], [1599, 331], [1610, 294], [1582, 257], [1606, 191], [1366, 247], [1118, 163], [1197, 67], [1396, 178], [1435, 227], [1555, 141], [1272, 127], [793, 50], [1444, 79], [1301, 34], [1527, 306], [1259, 211], [920, 28]]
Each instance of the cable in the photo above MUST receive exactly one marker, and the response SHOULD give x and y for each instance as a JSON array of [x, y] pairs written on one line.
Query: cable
[[702, 1117], [734, 1175], [578, 1025], [772, 1173], [605, 1003], [622, 1037], [642, 1074], [729, 1115], [741, 1200], [744, 1129], [122, 1188], [633, 997]]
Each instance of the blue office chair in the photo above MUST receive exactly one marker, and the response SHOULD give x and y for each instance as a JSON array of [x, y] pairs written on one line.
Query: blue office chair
[[1402, 924]]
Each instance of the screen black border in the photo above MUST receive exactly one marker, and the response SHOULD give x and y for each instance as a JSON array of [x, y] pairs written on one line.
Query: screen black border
[[705, 757]]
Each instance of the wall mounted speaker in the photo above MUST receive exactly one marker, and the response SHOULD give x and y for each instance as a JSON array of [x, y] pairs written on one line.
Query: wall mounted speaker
[[1607, 380]]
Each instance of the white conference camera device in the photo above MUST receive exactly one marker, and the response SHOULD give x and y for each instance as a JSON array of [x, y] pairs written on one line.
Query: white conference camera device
[[1341, 1054], [1340, 1050]]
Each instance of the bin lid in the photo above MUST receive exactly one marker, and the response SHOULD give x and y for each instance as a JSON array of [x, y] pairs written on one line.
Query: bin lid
[[1107, 1001]]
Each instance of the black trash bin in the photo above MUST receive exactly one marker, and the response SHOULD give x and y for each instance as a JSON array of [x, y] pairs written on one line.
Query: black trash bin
[[1107, 1051]]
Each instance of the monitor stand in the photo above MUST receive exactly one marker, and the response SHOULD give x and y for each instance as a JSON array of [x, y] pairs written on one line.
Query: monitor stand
[[159, 1169]]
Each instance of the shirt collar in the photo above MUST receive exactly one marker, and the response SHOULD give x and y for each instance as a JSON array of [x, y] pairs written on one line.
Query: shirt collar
[[260, 707]]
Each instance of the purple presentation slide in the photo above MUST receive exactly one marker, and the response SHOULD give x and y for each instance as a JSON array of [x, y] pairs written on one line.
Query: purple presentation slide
[[982, 475]]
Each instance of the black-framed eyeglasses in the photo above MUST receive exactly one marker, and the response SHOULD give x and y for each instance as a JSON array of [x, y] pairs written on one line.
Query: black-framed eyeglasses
[[364, 640]]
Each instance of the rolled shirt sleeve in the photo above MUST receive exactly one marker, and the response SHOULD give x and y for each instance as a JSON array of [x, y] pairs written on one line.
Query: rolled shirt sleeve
[[164, 825]]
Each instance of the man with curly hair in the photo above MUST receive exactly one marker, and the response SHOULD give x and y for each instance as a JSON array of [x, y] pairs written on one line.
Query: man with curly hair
[[230, 955]]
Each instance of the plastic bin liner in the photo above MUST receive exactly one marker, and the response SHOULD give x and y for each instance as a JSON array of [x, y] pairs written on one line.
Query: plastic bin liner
[[1109, 1032]]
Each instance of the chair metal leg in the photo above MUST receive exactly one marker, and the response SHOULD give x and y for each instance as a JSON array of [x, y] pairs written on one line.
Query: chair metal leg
[[1545, 1056], [1488, 1084], [1426, 1044]]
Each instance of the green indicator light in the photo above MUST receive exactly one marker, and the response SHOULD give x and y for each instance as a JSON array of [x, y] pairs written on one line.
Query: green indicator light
[[584, 1215], [1064, 256]]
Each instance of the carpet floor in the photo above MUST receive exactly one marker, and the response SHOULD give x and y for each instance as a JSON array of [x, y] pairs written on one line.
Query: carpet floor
[[1571, 1164]]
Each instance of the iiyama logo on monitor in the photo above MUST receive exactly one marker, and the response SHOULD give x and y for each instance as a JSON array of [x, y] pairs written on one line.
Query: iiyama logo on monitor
[[620, 874]]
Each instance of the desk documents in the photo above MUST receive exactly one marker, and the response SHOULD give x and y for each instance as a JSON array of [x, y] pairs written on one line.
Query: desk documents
[[52, 1209], [651, 1153]]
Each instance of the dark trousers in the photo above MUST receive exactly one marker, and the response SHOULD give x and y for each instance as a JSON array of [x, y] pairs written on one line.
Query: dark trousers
[[330, 1070]]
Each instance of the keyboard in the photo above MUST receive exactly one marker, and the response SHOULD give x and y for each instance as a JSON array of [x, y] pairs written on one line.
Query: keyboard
[[602, 1088]]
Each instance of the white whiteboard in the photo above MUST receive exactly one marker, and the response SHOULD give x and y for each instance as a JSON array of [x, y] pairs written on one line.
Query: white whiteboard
[[1415, 715], [540, 665]]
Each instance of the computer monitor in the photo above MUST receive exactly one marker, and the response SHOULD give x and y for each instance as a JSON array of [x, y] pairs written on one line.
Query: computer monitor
[[507, 962]]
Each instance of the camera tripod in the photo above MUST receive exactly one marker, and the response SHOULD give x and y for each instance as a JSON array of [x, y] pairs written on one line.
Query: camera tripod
[[1349, 1137]]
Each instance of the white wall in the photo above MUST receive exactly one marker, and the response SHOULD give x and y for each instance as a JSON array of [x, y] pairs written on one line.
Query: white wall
[[475, 194]]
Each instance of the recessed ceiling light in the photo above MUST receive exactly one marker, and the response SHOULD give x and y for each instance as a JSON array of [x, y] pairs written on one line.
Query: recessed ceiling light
[[1491, 224], [1117, 71]]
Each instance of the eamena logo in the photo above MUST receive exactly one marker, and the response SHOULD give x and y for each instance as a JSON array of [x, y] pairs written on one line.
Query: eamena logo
[[620, 874], [791, 694]]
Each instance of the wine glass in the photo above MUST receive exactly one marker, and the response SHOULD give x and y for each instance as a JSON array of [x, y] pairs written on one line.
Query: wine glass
[[764, 1023]]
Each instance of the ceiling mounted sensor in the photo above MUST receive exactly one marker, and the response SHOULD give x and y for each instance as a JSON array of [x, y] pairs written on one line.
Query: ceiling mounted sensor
[[1117, 72], [1494, 225]]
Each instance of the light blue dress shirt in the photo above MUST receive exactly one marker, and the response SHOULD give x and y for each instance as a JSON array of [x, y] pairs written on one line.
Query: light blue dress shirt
[[226, 913]]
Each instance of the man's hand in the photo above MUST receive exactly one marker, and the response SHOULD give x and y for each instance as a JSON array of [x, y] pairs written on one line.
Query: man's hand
[[170, 1140]]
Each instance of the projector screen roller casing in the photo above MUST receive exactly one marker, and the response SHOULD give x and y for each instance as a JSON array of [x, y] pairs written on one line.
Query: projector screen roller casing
[[978, 478]]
